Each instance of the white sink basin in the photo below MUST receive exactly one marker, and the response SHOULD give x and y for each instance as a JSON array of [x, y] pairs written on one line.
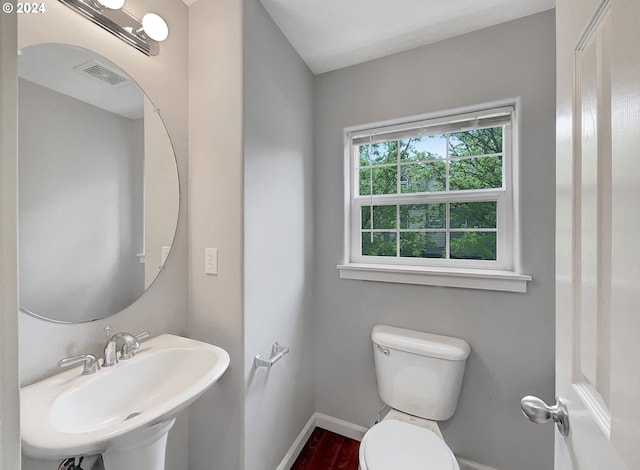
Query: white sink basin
[[71, 414]]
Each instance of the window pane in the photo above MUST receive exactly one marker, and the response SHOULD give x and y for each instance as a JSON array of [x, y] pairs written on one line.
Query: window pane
[[384, 180], [384, 217], [418, 216], [475, 173], [424, 177], [473, 214], [363, 154], [423, 148], [473, 245], [475, 142], [383, 244], [382, 152], [423, 244]]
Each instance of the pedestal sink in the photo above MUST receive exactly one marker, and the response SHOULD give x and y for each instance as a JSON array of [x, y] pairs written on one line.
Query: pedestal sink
[[123, 412]]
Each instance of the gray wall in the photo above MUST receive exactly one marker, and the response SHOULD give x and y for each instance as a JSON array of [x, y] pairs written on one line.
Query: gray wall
[[278, 238], [216, 439], [163, 308], [250, 176], [81, 206], [9, 419], [511, 335]]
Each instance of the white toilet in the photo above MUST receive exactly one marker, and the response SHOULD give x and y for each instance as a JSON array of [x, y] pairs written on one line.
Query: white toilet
[[419, 376]]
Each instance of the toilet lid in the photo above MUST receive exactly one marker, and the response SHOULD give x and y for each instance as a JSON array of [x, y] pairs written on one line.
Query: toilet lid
[[393, 445]]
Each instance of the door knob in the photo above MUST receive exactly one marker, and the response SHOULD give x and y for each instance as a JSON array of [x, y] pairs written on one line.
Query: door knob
[[539, 412]]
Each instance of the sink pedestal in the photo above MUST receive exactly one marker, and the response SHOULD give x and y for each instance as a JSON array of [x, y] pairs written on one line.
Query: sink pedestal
[[142, 449]]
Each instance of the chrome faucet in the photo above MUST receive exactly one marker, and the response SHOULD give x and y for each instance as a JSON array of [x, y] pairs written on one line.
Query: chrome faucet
[[130, 344]]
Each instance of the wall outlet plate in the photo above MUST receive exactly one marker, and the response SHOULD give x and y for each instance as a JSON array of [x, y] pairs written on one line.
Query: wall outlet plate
[[211, 261]]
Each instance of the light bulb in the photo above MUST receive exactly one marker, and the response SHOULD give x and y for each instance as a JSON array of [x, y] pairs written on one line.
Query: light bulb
[[155, 27], [111, 4]]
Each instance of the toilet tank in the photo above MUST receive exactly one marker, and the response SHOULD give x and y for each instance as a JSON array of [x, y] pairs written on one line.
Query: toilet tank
[[419, 373]]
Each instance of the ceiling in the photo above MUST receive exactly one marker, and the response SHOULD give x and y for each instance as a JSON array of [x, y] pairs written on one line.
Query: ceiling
[[54, 66], [332, 34]]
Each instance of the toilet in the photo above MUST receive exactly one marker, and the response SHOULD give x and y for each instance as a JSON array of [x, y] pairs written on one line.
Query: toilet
[[419, 377]]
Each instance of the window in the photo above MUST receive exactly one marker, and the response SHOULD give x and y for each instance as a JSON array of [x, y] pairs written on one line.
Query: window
[[434, 196]]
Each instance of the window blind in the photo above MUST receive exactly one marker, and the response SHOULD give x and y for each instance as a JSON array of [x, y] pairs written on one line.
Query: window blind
[[459, 123]]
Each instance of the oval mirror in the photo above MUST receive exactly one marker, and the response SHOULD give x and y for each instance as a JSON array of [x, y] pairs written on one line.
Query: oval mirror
[[98, 186]]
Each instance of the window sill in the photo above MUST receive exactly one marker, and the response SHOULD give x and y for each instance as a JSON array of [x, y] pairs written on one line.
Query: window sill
[[485, 279]]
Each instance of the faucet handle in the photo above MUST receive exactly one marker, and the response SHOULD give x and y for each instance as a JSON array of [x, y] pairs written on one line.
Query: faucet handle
[[107, 331], [142, 335], [129, 348], [91, 364]]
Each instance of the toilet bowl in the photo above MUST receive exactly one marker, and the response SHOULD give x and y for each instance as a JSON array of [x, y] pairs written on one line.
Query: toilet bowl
[[397, 445]]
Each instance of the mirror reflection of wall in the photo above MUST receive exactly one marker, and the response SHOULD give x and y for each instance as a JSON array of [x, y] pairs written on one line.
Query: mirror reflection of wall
[[160, 193], [98, 189]]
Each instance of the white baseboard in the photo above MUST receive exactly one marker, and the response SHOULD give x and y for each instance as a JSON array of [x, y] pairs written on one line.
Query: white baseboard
[[347, 429], [297, 446], [339, 426]]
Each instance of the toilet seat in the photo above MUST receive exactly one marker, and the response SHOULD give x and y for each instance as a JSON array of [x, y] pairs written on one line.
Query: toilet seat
[[394, 445]]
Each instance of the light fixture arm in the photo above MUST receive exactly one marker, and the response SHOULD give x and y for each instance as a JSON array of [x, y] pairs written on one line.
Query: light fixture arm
[[141, 34], [118, 22], [94, 4]]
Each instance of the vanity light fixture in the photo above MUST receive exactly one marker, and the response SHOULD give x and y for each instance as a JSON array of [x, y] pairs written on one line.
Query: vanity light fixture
[[110, 4], [145, 35]]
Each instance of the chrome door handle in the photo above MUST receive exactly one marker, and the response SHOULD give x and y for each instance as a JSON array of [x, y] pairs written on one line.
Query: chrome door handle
[[539, 412]]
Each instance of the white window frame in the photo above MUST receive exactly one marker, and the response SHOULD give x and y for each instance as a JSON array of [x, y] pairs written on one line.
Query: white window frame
[[504, 273]]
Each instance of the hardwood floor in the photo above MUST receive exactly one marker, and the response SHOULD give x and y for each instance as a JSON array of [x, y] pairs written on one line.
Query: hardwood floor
[[326, 450]]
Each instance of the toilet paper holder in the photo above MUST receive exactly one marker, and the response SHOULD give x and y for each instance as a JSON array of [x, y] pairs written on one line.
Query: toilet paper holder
[[277, 352]]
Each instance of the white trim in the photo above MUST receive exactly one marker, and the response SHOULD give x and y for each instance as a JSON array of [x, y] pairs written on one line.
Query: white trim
[[451, 123], [486, 279], [434, 115], [349, 202], [339, 426], [595, 404], [347, 429], [515, 226], [297, 446]]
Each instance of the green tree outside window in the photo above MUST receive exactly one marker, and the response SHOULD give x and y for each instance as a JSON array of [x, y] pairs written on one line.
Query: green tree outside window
[[470, 160]]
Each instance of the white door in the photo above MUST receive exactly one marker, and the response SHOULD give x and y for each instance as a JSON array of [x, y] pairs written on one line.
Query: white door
[[598, 233]]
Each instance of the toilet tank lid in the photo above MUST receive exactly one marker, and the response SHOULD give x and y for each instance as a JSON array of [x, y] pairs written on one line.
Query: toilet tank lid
[[418, 342]]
